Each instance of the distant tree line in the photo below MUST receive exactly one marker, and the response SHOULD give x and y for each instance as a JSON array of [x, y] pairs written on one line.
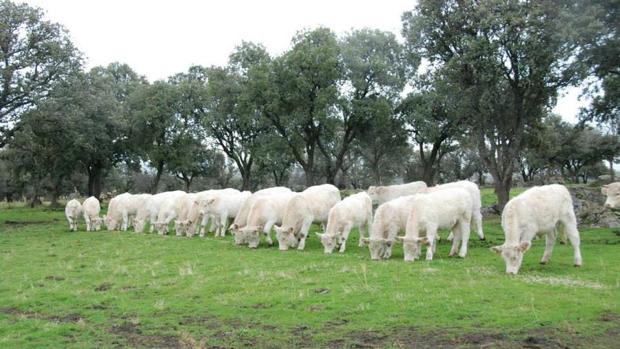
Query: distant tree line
[[467, 93]]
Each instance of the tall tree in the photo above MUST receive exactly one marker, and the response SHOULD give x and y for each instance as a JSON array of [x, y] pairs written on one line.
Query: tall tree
[[508, 59], [233, 114], [374, 75], [302, 95], [433, 121], [34, 55]]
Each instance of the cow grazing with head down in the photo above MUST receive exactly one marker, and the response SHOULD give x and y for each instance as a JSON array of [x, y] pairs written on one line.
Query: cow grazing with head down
[[537, 211]]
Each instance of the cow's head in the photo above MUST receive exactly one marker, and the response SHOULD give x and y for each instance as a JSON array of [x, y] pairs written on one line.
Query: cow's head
[[512, 255], [329, 241], [286, 238], [378, 247], [251, 235], [412, 246]]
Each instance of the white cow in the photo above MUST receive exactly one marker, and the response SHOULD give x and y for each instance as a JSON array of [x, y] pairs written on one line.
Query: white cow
[[114, 216], [311, 205], [389, 219], [73, 209], [537, 211], [168, 211], [91, 209], [613, 195], [266, 211], [382, 194], [223, 207], [474, 192], [442, 209], [242, 216], [195, 216], [182, 208], [149, 211], [353, 211]]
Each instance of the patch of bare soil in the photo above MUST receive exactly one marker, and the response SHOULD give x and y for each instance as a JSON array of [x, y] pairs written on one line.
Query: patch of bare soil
[[104, 287], [68, 318], [22, 223], [135, 338]]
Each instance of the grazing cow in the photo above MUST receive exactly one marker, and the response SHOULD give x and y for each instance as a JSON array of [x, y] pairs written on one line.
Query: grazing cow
[[168, 211], [353, 211], [196, 217], [73, 209], [474, 192], [182, 209], [311, 205], [148, 212], [91, 209], [266, 211], [114, 216], [442, 209], [223, 207], [613, 195], [389, 219], [242, 216], [382, 194], [537, 211]]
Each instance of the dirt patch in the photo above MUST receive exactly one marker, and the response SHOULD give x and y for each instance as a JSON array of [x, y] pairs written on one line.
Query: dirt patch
[[322, 290], [609, 317], [104, 287], [133, 335], [54, 278], [69, 318], [22, 223]]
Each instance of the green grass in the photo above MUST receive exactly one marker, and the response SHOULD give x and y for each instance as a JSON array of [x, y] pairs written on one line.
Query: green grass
[[107, 289], [489, 198]]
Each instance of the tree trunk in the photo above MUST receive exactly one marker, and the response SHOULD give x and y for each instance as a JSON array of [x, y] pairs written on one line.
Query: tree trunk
[[612, 173], [247, 184], [98, 182], [34, 199], [160, 171], [502, 190], [428, 174]]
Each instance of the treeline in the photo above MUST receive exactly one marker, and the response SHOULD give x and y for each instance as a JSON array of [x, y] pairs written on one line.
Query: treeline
[[468, 93]]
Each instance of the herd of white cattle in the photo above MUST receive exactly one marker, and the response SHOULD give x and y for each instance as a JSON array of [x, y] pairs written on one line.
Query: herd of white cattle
[[414, 208]]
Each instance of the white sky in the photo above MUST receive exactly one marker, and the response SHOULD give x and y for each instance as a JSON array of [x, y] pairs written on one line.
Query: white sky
[[161, 38]]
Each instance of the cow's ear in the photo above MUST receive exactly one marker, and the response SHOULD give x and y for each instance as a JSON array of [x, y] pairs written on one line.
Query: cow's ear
[[604, 189], [524, 246], [496, 249]]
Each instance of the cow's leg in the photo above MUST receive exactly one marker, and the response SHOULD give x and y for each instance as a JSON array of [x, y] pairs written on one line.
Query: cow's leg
[[477, 218], [346, 230], [549, 243], [303, 232], [431, 233], [465, 231], [223, 224], [203, 225], [456, 239], [573, 237], [451, 236], [87, 220]]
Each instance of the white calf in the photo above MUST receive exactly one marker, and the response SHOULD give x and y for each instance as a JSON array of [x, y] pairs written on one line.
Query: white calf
[[353, 211], [311, 205], [91, 209], [73, 209], [443, 209], [537, 211]]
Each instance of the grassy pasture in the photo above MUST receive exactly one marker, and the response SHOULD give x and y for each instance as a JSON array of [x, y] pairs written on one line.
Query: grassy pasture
[[113, 289]]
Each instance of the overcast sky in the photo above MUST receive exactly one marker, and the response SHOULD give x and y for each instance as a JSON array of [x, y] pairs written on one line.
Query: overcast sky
[[160, 38]]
